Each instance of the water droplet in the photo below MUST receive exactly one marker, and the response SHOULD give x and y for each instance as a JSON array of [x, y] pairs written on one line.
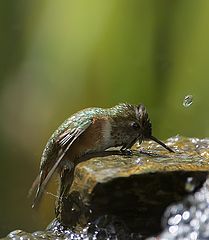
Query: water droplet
[[186, 215], [174, 220], [193, 236], [188, 100], [190, 184], [173, 229], [15, 233], [138, 161], [195, 223]]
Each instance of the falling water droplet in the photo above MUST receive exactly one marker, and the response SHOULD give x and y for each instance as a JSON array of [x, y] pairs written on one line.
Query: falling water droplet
[[188, 100]]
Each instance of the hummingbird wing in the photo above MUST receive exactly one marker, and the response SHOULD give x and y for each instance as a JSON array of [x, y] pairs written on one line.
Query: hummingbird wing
[[64, 141]]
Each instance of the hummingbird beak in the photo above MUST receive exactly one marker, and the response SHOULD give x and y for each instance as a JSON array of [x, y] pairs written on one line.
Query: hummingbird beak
[[161, 143]]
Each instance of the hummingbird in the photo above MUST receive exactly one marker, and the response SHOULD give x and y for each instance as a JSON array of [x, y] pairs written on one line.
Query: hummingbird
[[88, 132]]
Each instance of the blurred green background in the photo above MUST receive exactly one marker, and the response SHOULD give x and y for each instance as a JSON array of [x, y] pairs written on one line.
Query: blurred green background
[[57, 57]]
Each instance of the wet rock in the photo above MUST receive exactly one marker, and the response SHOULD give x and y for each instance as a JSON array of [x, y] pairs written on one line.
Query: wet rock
[[137, 188], [150, 193]]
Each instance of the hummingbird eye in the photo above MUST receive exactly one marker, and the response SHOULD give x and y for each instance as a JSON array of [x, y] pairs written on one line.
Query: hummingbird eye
[[135, 125]]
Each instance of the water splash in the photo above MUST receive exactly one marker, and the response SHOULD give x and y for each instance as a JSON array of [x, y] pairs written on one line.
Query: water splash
[[188, 100]]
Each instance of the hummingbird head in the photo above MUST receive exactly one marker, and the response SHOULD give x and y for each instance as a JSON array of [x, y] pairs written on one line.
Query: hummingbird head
[[133, 124], [143, 121]]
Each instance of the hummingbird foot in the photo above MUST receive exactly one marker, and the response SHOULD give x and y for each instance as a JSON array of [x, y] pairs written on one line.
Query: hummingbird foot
[[126, 151]]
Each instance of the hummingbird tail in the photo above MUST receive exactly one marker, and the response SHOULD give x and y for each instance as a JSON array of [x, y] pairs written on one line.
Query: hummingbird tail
[[37, 197], [161, 143], [37, 184], [33, 187], [42, 180]]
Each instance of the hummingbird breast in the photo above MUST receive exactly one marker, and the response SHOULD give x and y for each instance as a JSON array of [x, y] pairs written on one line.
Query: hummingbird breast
[[95, 139]]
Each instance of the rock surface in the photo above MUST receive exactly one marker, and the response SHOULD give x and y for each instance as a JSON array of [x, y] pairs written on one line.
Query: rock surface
[[125, 197]]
